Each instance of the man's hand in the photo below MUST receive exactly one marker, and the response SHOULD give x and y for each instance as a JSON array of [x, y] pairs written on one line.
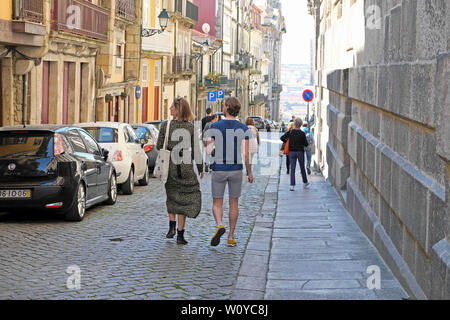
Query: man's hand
[[202, 175], [251, 179]]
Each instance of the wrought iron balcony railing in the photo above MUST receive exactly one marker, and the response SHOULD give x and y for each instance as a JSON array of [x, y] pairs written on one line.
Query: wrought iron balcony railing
[[92, 20], [182, 64], [28, 10], [126, 9]]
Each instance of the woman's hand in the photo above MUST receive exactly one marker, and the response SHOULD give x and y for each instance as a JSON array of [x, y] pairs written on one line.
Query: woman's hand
[[202, 175]]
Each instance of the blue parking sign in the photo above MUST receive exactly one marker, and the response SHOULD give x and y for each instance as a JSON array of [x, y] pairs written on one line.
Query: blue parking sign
[[221, 94], [212, 96]]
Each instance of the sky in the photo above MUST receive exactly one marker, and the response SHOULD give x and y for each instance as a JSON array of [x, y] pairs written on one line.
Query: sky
[[300, 32]]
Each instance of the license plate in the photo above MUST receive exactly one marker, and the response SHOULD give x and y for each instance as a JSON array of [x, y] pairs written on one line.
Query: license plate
[[15, 194]]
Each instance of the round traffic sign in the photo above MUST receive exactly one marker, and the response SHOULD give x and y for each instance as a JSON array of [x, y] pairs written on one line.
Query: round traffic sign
[[308, 95]]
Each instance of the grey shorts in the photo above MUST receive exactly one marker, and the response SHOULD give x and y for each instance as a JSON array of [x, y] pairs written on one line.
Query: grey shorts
[[220, 179]]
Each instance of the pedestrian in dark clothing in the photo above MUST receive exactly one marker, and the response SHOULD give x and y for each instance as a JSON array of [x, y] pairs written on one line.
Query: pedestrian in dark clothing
[[297, 144], [184, 197], [208, 118], [283, 146]]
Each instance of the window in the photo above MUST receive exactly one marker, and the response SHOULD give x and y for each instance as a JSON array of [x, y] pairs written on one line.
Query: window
[[132, 136], [92, 146], [103, 134], [126, 135], [77, 142], [142, 132], [14, 145]]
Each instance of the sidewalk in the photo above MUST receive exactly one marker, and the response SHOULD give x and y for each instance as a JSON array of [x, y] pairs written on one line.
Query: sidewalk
[[305, 246]]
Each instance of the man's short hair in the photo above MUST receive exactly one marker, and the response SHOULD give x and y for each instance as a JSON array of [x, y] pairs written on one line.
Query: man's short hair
[[233, 106], [208, 111]]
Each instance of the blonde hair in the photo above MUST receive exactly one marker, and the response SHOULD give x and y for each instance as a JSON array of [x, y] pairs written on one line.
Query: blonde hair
[[290, 126]]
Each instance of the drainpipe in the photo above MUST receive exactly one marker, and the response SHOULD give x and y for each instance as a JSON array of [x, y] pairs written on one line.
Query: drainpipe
[[25, 99]]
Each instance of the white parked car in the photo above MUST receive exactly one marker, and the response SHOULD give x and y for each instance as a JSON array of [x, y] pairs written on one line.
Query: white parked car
[[126, 152]]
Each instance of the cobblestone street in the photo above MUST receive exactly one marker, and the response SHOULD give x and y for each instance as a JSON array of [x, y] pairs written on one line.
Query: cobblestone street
[[122, 251]]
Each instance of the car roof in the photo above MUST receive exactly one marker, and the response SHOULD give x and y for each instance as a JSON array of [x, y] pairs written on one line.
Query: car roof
[[147, 125], [115, 125], [43, 127]]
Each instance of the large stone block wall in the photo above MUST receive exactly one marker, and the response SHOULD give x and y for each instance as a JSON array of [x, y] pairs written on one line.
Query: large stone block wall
[[384, 107]]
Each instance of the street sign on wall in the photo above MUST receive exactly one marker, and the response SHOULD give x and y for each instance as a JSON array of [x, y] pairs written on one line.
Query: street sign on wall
[[221, 94], [138, 92]]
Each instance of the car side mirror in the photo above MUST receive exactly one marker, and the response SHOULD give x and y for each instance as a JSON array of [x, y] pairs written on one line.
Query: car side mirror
[[105, 154]]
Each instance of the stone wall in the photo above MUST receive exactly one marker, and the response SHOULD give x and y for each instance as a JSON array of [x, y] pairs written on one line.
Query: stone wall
[[383, 116]]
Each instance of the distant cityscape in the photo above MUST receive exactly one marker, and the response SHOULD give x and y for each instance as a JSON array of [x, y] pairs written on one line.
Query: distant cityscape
[[295, 78]]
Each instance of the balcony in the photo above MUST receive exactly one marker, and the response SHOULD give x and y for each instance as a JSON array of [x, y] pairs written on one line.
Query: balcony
[[29, 10], [28, 22], [126, 9], [257, 99], [277, 88], [92, 21], [182, 64], [187, 9]]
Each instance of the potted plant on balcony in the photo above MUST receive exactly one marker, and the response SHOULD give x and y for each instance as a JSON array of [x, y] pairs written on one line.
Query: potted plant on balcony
[[201, 86], [124, 95], [108, 98]]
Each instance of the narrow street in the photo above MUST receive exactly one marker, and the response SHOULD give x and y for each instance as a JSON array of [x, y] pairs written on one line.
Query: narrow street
[[285, 241]]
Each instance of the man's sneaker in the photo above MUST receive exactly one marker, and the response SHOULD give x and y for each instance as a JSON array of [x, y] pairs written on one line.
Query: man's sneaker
[[232, 243], [216, 238], [306, 185], [292, 188]]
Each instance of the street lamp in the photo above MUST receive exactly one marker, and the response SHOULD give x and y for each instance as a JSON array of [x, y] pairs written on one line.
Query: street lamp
[[163, 22]]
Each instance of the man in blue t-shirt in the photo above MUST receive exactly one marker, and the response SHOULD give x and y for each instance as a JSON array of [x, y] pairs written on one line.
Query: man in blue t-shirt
[[228, 139]]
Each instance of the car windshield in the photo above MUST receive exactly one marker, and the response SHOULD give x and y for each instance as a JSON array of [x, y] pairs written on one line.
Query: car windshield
[[104, 134], [25, 144], [141, 131]]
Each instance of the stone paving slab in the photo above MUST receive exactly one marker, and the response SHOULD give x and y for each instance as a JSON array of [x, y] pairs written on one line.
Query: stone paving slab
[[318, 251]]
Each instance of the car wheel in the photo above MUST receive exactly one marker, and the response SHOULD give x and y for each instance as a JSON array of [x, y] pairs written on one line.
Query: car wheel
[[78, 209], [128, 186], [112, 190], [144, 181]]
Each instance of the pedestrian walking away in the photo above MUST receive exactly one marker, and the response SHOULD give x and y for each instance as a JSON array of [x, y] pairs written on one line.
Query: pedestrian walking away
[[208, 118], [285, 152], [229, 135], [214, 118], [254, 141], [297, 143], [308, 149], [184, 197]]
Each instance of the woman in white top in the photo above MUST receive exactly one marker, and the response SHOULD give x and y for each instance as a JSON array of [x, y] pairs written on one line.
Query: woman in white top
[[254, 141]]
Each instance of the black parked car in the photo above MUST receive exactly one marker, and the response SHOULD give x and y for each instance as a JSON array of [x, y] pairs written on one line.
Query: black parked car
[[54, 168]]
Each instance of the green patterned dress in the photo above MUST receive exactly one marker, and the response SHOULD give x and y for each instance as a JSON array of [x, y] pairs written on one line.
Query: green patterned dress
[[182, 187]]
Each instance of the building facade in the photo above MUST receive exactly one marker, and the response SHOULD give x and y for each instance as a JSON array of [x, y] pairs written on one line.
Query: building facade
[[382, 129], [118, 62], [273, 28]]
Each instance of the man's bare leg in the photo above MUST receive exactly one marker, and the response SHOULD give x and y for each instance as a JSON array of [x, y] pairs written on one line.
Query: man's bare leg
[[233, 215]]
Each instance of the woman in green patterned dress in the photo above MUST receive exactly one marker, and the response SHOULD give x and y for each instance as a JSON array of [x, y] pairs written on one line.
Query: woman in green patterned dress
[[184, 198]]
